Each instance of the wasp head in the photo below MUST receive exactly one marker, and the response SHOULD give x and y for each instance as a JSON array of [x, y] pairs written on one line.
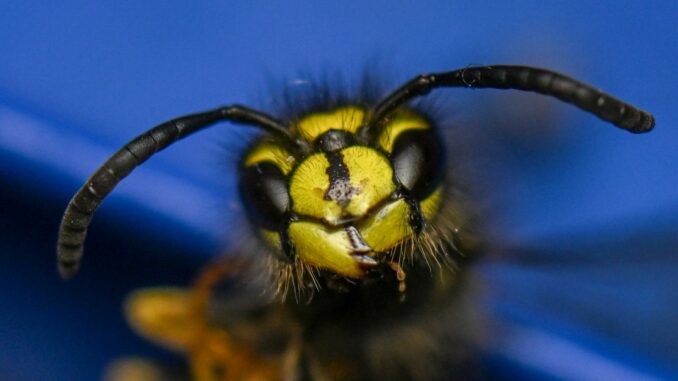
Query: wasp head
[[353, 197]]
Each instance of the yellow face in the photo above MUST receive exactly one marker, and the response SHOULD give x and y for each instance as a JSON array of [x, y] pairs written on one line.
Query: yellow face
[[346, 203]]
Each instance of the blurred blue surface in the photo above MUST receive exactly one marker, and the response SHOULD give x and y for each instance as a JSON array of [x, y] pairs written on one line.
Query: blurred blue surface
[[590, 294]]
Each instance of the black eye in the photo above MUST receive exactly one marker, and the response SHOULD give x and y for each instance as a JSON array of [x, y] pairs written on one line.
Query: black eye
[[263, 189], [418, 158]]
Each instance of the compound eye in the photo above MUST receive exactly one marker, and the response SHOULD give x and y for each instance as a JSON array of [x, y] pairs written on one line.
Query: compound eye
[[417, 159], [263, 189]]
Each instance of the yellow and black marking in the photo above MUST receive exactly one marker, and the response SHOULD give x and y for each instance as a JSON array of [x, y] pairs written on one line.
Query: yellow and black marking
[[341, 206], [179, 319], [401, 122], [347, 118]]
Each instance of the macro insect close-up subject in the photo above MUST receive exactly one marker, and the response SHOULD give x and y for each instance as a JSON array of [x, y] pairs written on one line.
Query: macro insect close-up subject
[[361, 239], [322, 191]]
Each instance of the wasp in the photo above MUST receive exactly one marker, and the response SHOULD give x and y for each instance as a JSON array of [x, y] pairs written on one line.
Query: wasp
[[357, 216]]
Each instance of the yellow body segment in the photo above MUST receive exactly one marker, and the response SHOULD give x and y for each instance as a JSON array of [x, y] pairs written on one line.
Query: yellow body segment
[[328, 249], [219, 358], [348, 118], [269, 151], [178, 319], [403, 121], [387, 226], [163, 315]]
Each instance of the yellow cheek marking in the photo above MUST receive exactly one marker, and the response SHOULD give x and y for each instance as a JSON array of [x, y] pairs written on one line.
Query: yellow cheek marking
[[164, 316], [328, 249], [272, 238], [308, 186], [430, 205], [268, 151], [371, 174], [387, 226], [402, 122], [348, 118]]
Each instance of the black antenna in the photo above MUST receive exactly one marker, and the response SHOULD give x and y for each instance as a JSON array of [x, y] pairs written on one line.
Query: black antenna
[[80, 209], [526, 78]]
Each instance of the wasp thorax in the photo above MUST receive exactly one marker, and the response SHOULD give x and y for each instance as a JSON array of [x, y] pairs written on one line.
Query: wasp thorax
[[341, 207]]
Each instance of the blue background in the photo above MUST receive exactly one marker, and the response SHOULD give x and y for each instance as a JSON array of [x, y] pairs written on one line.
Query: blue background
[[590, 213]]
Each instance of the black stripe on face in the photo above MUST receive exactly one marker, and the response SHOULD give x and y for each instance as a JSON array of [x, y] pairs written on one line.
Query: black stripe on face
[[340, 190]]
